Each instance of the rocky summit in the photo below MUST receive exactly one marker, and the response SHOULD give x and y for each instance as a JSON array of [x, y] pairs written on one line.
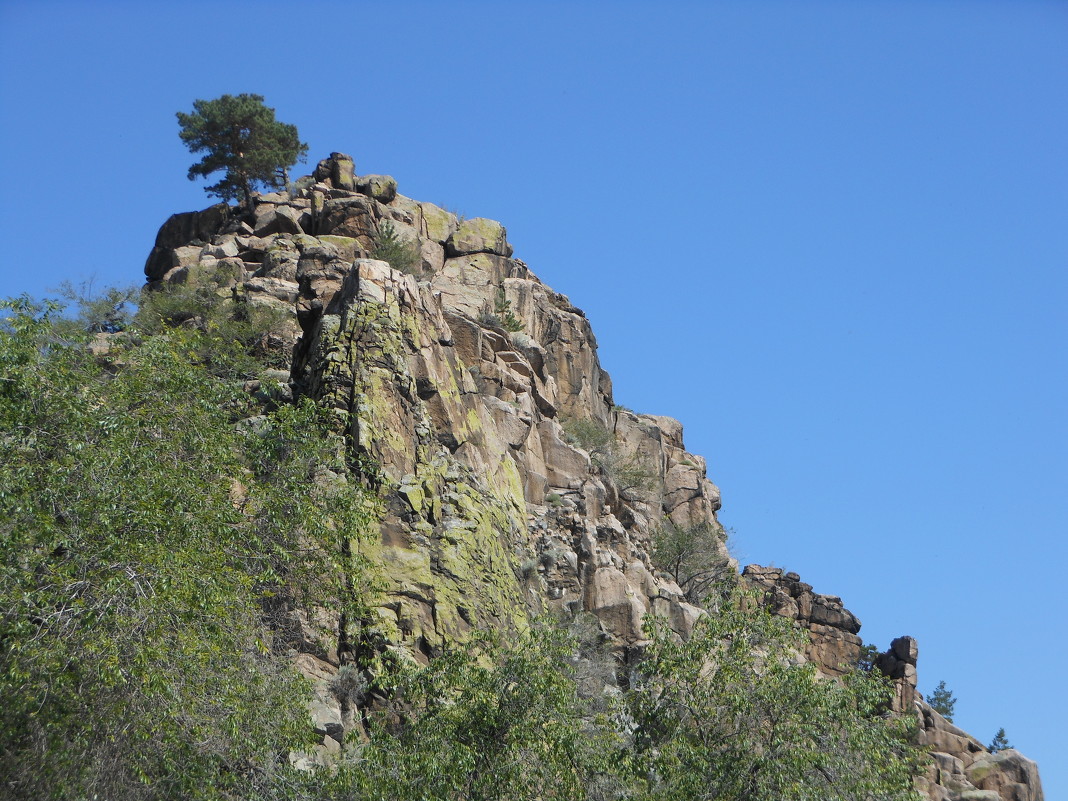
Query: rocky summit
[[512, 484]]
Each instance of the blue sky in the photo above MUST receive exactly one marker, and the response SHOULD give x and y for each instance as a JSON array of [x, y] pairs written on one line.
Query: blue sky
[[830, 237]]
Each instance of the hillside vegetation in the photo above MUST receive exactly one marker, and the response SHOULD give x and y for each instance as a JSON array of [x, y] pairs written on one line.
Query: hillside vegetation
[[166, 511]]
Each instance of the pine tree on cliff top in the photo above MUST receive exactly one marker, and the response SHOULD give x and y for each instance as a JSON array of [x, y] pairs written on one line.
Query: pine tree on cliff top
[[239, 134], [942, 701]]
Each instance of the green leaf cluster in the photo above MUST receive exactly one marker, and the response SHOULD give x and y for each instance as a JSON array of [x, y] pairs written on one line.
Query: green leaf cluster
[[240, 136], [489, 720], [152, 542], [734, 713], [692, 556], [235, 338]]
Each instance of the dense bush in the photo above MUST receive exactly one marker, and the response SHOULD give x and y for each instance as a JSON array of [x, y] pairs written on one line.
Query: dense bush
[[238, 338], [731, 715], [489, 720], [145, 531]]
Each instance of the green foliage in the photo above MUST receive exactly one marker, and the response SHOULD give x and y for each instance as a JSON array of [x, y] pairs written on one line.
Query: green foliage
[[693, 556], [942, 701], [149, 543], [730, 715], [239, 135], [588, 434], [502, 308], [402, 254], [238, 338], [158, 528], [107, 311], [626, 471], [999, 743], [489, 720]]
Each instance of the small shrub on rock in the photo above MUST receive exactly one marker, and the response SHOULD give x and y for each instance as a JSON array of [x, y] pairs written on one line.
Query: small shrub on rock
[[402, 254]]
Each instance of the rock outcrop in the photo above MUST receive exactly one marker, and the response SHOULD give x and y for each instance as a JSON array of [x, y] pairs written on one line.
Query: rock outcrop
[[495, 506], [832, 629]]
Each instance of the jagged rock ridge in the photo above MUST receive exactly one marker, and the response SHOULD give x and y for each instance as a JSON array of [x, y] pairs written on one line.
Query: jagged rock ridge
[[493, 513]]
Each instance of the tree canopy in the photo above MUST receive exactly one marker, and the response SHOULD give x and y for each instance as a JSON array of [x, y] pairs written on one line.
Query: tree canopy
[[240, 135]]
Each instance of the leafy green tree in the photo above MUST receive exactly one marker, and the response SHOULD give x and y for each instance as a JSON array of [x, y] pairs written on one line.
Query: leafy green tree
[[238, 134], [999, 743], [693, 556], [627, 472], [104, 311], [732, 714], [942, 701], [146, 535], [489, 720]]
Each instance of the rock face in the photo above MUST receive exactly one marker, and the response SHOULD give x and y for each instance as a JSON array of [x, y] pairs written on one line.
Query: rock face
[[494, 506], [832, 629]]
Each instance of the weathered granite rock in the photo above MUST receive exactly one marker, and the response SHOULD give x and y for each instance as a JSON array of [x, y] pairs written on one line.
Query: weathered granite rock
[[478, 235], [342, 171], [355, 217], [276, 219], [336, 172], [833, 642], [180, 230], [382, 188], [440, 224], [1008, 774]]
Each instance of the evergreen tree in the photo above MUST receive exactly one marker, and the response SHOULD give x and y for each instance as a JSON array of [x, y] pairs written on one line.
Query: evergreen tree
[[942, 701], [999, 743], [239, 134]]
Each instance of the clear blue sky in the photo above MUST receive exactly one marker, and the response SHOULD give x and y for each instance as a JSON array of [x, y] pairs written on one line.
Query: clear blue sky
[[830, 237]]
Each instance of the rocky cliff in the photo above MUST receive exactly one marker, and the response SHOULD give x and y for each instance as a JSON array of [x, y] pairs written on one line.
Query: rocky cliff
[[473, 399]]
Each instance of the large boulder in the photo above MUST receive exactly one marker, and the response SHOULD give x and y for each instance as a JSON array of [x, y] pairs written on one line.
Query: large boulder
[[342, 172], [440, 224], [479, 235], [337, 171], [1009, 773], [354, 217], [382, 188], [276, 219], [180, 230]]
